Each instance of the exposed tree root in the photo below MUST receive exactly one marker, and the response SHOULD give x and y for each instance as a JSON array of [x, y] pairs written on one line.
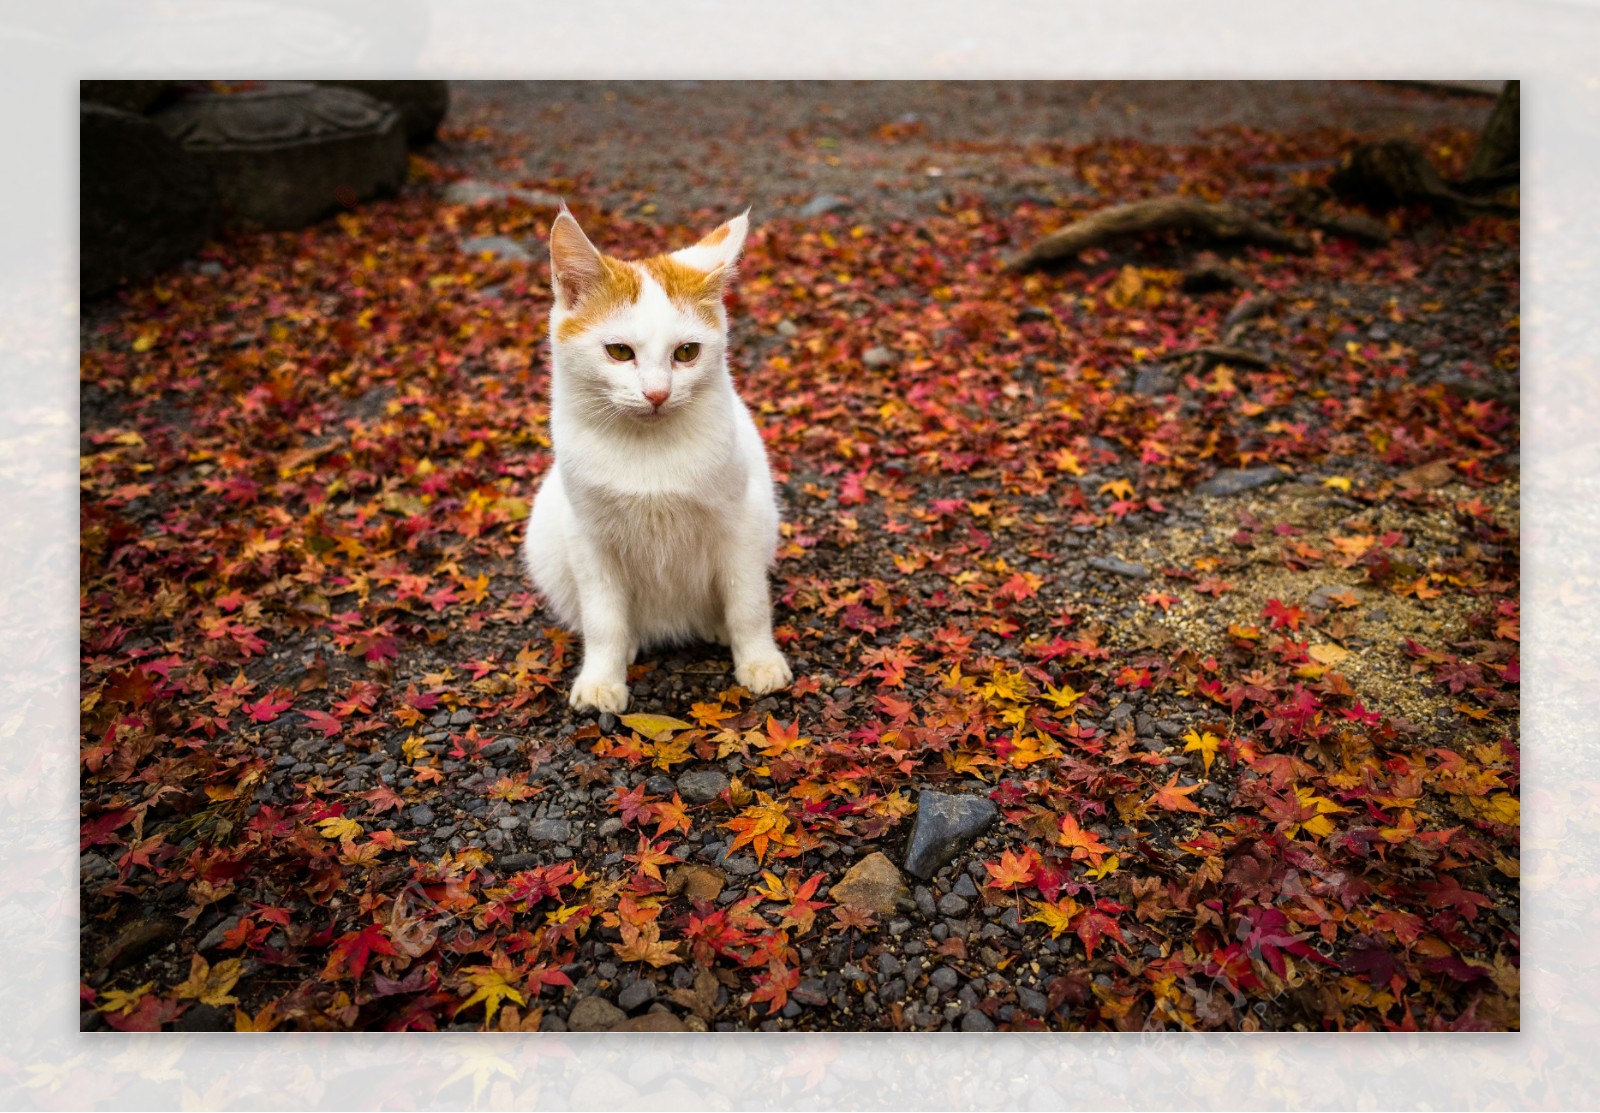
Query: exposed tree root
[[1185, 214]]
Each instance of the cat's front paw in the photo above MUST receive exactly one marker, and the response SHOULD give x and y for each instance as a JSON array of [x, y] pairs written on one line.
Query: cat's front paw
[[760, 675], [598, 695]]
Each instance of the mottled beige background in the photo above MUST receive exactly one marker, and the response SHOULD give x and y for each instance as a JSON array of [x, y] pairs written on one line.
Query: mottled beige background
[[45, 1063]]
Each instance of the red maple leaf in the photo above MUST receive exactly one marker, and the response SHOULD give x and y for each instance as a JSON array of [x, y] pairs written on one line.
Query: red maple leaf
[[352, 950], [1174, 799], [326, 723]]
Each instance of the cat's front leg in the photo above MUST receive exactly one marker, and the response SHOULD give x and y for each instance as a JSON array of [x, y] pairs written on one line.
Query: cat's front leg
[[757, 664], [602, 683]]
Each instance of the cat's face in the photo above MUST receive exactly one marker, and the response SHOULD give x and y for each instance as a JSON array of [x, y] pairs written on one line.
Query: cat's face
[[637, 340]]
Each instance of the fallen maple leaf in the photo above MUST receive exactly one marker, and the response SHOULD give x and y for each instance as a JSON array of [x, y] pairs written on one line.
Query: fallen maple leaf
[[490, 987], [210, 985], [1174, 799], [1013, 869], [1206, 743], [1056, 915]]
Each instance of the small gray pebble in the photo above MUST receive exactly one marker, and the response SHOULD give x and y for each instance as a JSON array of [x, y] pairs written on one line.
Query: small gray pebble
[[701, 786], [975, 1021], [550, 830], [637, 994]]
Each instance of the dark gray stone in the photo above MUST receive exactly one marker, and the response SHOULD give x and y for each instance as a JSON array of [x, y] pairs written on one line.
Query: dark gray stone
[[945, 825], [206, 1018], [636, 995], [287, 153], [944, 979], [740, 865], [965, 887], [594, 1014], [824, 203], [469, 191], [701, 786], [497, 748], [1238, 481], [1322, 597], [144, 203], [952, 905], [421, 815], [501, 247], [975, 1021], [1119, 567], [1150, 380], [215, 936], [550, 830]]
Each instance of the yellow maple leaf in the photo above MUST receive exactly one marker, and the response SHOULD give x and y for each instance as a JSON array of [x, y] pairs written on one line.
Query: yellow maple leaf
[[490, 987], [1056, 916], [642, 943], [339, 827], [1206, 743], [210, 984], [1318, 825], [264, 1021], [655, 727], [1327, 653], [1109, 866], [1063, 697], [124, 1001]]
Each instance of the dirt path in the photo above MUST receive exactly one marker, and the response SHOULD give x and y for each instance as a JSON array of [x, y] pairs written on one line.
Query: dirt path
[[685, 147]]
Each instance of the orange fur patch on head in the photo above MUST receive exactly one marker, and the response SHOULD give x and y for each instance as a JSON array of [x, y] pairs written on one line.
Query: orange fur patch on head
[[695, 291], [618, 287]]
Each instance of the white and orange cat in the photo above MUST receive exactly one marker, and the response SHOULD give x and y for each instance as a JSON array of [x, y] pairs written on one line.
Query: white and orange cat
[[657, 522]]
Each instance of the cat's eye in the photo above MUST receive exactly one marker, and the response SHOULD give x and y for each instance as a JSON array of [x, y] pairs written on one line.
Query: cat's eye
[[619, 352], [686, 353]]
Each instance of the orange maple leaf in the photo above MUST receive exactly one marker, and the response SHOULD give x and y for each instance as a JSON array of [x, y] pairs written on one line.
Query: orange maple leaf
[[1084, 844], [1173, 798], [670, 816], [1013, 869]]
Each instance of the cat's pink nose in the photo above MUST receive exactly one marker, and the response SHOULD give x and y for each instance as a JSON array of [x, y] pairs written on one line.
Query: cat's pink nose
[[657, 397]]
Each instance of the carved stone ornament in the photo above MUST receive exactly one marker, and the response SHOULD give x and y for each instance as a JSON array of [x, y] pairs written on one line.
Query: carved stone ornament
[[286, 153]]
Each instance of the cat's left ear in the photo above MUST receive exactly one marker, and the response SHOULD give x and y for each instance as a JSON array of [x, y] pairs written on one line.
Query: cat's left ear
[[718, 250]]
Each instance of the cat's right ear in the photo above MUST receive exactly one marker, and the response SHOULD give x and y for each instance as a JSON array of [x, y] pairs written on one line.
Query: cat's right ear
[[575, 266]]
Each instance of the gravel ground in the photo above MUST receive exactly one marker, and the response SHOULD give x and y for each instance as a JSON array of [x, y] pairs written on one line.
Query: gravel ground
[[779, 146]]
